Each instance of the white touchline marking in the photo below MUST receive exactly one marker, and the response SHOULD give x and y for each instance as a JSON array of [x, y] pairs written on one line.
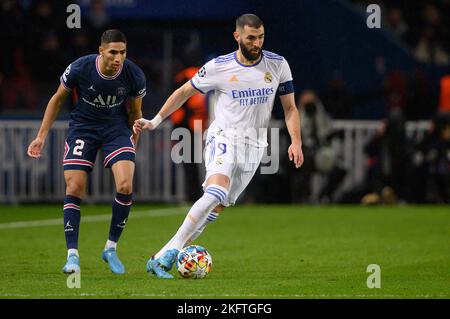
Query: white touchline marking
[[95, 218]]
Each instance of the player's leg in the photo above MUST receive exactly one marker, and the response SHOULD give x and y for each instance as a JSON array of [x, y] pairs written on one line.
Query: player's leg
[[214, 194], [242, 175], [79, 157], [245, 170], [247, 159], [123, 172], [219, 166], [217, 151], [119, 155], [217, 179], [75, 190], [211, 218]]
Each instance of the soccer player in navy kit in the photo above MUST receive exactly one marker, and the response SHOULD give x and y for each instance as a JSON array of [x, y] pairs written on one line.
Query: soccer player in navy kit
[[99, 121]]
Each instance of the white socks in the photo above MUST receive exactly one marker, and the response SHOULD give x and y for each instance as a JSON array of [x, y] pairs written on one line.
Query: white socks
[[212, 216], [72, 251], [197, 216], [110, 244]]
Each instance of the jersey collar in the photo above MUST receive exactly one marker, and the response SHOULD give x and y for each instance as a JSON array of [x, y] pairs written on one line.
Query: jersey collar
[[103, 76], [247, 66]]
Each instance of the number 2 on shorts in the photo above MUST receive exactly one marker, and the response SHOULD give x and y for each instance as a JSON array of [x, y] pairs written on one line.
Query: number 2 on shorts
[[78, 148]]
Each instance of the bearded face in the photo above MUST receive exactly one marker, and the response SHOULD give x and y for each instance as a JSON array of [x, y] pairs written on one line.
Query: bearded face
[[251, 53], [250, 41]]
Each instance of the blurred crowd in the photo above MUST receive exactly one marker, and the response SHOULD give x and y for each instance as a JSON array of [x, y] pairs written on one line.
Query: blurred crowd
[[422, 25], [422, 29], [404, 169], [37, 46]]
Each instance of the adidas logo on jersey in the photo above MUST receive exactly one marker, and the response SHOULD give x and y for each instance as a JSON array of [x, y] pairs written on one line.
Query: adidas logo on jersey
[[233, 79]]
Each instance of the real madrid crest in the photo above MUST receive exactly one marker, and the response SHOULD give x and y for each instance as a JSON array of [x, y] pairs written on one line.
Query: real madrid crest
[[268, 77]]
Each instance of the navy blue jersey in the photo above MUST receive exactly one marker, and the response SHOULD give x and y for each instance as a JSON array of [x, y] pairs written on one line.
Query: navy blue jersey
[[101, 98]]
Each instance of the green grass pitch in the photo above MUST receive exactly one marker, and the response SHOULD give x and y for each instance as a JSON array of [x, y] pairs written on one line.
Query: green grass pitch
[[258, 251]]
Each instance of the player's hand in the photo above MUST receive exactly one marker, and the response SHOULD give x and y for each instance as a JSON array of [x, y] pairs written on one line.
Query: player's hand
[[35, 147], [296, 154], [142, 124]]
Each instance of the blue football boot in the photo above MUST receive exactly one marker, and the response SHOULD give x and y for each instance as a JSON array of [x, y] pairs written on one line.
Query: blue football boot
[[168, 259], [72, 265], [110, 256], [158, 270]]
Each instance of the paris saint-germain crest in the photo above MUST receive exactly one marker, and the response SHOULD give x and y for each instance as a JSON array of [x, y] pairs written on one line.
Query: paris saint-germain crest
[[121, 91]]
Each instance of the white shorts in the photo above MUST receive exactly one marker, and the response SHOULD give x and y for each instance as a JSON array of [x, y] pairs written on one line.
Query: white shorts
[[237, 161]]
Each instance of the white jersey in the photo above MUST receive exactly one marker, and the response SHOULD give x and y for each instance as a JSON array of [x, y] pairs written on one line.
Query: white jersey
[[244, 94]]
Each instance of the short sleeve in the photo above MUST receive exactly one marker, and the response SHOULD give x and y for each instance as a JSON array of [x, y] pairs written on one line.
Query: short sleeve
[[286, 82], [69, 79], [286, 74], [139, 87], [205, 79]]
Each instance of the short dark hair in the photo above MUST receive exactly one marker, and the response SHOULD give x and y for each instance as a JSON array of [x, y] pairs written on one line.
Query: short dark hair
[[249, 19], [113, 35]]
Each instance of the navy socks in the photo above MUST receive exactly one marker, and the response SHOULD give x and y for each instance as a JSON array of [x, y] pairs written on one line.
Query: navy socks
[[120, 211]]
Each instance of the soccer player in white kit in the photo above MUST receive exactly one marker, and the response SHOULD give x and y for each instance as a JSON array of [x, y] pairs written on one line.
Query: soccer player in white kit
[[245, 83]]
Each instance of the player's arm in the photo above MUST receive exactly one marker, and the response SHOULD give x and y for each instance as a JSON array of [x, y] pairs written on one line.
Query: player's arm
[[134, 113], [292, 118], [50, 115], [173, 103]]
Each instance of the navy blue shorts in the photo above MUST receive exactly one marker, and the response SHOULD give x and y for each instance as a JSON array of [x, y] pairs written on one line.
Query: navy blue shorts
[[82, 145]]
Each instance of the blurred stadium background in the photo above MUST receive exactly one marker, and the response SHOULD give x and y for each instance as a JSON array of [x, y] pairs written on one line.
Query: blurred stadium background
[[375, 102]]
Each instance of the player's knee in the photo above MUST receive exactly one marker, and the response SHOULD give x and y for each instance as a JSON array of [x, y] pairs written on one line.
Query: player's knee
[[124, 187], [75, 188], [219, 179]]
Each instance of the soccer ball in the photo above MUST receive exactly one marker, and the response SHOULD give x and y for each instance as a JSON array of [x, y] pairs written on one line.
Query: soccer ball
[[194, 262]]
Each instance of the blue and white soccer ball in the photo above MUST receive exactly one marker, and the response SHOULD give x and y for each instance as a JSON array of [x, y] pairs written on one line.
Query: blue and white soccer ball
[[194, 262]]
